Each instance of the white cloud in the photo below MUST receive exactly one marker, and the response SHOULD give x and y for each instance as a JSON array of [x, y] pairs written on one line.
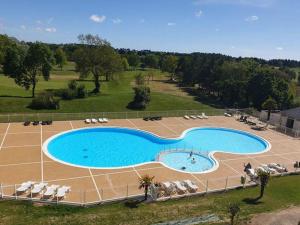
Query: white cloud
[[279, 48], [199, 13], [117, 21], [252, 19], [50, 29], [171, 24], [23, 27], [97, 19]]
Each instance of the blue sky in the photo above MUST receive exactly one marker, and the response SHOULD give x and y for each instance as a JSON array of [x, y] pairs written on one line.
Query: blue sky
[[261, 28]]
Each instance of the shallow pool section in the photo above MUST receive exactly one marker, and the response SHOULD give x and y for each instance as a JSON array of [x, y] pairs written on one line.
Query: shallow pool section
[[186, 161], [114, 147]]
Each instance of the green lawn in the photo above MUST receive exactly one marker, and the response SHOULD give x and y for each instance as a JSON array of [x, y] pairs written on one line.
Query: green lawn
[[281, 193], [114, 96]]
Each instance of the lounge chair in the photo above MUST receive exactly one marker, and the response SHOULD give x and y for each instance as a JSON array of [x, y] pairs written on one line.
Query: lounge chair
[[278, 167], [25, 186], [87, 120], [105, 120], [49, 122], [100, 120], [50, 191], [181, 188], [168, 187], [193, 117], [260, 127], [146, 118], [61, 192], [227, 114], [26, 123], [204, 116], [200, 117], [268, 169], [251, 173], [190, 185], [94, 120], [44, 123], [37, 188], [260, 168], [35, 123], [186, 117]]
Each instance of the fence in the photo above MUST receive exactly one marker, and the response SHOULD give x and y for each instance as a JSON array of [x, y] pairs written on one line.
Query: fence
[[291, 132], [88, 197], [7, 118]]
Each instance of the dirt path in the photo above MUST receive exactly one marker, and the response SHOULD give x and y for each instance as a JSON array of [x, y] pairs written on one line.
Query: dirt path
[[290, 216]]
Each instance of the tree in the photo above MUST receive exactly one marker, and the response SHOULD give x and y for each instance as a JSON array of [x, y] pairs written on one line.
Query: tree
[[141, 97], [60, 57], [133, 60], [169, 64], [233, 210], [125, 64], [97, 57], [151, 61], [13, 60], [26, 69], [270, 104], [139, 80], [5, 43], [145, 182], [264, 178]]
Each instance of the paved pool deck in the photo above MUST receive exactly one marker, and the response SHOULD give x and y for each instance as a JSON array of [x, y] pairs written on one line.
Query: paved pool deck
[[22, 158]]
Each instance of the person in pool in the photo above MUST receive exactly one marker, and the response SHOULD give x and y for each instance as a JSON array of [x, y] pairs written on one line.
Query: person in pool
[[193, 161], [191, 154]]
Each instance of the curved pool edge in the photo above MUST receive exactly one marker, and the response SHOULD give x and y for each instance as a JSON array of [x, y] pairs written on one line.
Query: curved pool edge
[[210, 155]]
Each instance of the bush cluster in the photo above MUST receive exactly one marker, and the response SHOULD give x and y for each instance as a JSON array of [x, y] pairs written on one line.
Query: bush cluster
[[45, 100], [73, 91]]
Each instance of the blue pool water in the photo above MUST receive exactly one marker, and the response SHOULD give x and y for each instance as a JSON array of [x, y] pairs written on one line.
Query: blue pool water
[[121, 147]]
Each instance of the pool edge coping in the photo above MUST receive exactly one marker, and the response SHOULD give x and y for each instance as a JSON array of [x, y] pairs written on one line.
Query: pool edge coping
[[210, 155]]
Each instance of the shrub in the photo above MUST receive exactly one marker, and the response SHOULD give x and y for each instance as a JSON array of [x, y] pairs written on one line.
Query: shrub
[[68, 94], [72, 85], [45, 100], [141, 98], [81, 91]]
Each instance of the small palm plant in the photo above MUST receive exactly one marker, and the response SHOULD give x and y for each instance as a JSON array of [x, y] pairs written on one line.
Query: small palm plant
[[145, 182], [233, 210], [264, 178]]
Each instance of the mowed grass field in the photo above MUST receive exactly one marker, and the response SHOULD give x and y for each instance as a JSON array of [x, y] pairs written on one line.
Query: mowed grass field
[[114, 96], [281, 193]]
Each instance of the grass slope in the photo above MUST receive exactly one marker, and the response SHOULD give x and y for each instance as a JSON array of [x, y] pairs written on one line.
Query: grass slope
[[281, 193], [115, 95]]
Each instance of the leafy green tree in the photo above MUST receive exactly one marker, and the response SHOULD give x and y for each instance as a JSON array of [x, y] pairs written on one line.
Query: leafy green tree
[[141, 97], [151, 61], [96, 57], [139, 79], [125, 64], [233, 210], [144, 183], [264, 178], [25, 70], [133, 60], [5, 43], [270, 104], [60, 57], [169, 64], [13, 61]]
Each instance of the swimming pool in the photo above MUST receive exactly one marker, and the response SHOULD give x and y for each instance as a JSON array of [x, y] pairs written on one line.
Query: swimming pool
[[116, 147]]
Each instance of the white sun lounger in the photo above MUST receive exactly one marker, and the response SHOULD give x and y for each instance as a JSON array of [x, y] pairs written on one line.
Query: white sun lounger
[[50, 191], [100, 120], [168, 187], [61, 192], [278, 167], [204, 116], [94, 120], [25, 186], [179, 186], [37, 188], [87, 121], [186, 117], [190, 185], [105, 120], [251, 173], [268, 169], [200, 117], [227, 114], [193, 117]]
